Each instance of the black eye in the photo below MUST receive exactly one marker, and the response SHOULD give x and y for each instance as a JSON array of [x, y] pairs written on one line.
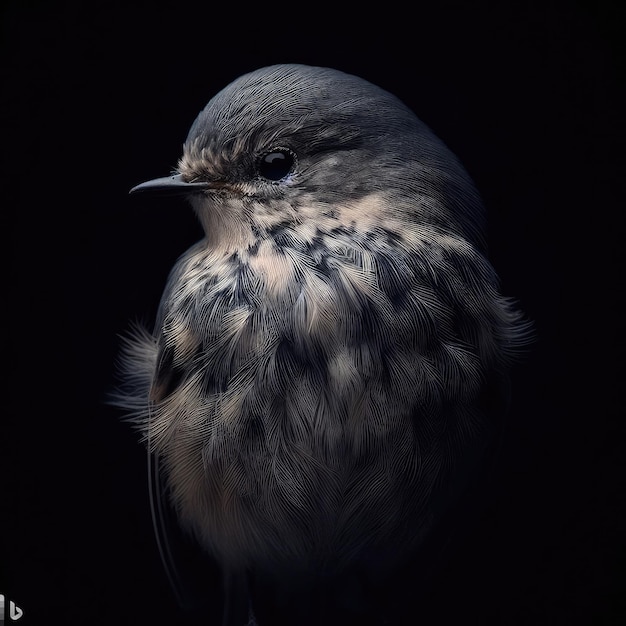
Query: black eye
[[277, 164]]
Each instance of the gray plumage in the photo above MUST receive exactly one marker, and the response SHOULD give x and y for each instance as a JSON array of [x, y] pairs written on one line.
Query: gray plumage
[[314, 387]]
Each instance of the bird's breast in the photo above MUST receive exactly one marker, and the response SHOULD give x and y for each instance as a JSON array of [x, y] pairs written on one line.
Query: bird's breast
[[306, 415]]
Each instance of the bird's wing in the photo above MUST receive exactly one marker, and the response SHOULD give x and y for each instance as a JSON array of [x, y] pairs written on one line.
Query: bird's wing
[[197, 581], [191, 572]]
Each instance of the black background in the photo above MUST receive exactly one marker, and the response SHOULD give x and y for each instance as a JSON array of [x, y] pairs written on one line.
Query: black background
[[99, 96]]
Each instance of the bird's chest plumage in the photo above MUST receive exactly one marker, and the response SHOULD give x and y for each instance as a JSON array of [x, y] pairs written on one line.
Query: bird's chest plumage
[[291, 381]]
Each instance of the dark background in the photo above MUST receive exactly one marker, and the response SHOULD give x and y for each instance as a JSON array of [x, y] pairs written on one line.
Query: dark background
[[99, 96]]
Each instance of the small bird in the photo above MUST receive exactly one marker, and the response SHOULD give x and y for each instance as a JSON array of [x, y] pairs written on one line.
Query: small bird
[[327, 374]]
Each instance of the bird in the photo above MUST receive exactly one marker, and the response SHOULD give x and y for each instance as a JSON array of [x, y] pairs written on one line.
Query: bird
[[328, 372]]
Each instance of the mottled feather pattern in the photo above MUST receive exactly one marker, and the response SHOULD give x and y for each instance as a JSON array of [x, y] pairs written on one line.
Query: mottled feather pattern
[[299, 371]]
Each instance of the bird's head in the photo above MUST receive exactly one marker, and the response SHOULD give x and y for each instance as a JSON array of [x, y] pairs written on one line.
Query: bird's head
[[294, 150]]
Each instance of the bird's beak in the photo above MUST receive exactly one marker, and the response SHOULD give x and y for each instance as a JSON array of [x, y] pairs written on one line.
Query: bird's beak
[[170, 185]]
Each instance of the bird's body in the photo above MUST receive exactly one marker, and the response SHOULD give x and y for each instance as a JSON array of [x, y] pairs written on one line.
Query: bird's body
[[316, 384]]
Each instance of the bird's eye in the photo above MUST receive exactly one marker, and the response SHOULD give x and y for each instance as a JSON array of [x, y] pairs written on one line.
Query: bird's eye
[[277, 164]]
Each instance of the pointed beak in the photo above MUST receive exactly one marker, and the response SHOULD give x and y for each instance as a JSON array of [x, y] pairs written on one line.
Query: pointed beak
[[170, 185]]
